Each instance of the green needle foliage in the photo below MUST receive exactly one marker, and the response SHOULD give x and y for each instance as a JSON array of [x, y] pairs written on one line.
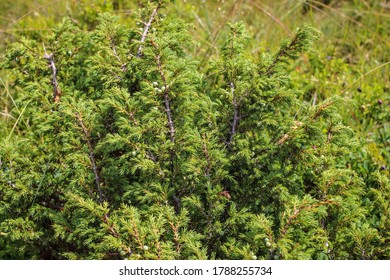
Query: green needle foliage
[[123, 149]]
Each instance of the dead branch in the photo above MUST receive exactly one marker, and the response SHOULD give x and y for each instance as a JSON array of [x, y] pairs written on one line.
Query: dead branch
[[56, 91]]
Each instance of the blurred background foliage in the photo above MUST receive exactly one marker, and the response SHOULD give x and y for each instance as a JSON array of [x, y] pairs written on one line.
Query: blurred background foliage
[[351, 59]]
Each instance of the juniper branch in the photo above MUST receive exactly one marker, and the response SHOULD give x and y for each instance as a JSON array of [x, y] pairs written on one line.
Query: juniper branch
[[167, 101], [111, 229], [301, 42], [280, 54], [236, 117], [91, 155], [207, 155], [113, 48], [302, 208], [146, 29], [115, 233]]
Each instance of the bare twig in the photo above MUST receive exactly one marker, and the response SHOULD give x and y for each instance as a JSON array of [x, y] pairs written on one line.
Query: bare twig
[[169, 116], [207, 154], [315, 99], [146, 29], [91, 155], [167, 101], [236, 117], [56, 91], [329, 134], [113, 48]]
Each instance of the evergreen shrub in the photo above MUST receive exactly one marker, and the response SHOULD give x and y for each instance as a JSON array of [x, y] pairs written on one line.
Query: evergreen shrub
[[125, 149]]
